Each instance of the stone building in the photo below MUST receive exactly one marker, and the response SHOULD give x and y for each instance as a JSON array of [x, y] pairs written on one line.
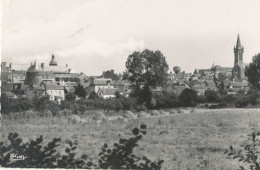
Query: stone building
[[239, 66]]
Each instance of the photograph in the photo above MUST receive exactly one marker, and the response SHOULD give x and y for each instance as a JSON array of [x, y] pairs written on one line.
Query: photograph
[[130, 84]]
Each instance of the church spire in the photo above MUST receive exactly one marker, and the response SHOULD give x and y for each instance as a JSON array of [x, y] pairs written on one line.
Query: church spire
[[238, 42]]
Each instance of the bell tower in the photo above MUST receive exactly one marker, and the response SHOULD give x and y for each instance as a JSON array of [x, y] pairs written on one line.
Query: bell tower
[[238, 69], [238, 53]]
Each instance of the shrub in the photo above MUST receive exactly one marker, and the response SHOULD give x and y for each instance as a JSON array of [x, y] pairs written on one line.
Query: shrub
[[254, 96], [121, 156], [70, 96], [14, 105], [37, 155], [211, 96], [242, 101], [188, 98], [248, 154]]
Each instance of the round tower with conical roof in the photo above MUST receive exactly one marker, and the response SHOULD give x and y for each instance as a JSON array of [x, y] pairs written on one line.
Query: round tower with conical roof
[[34, 75]]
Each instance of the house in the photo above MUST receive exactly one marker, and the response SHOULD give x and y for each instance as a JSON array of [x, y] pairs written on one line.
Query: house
[[198, 86], [107, 92], [156, 90], [237, 86], [83, 77], [33, 91], [54, 91], [176, 88], [100, 83], [210, 84]]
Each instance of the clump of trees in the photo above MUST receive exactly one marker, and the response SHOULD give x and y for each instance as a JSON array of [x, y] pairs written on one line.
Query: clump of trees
[[253, 72], [143, 70], [37, 155]]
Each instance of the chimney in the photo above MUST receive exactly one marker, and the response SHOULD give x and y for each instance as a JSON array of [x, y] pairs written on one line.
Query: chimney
[[69, 70], [67, 65], [10, 66], [42, 66]]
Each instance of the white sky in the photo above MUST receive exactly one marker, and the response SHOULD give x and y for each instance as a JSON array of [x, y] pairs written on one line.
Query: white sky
[[97, 35]]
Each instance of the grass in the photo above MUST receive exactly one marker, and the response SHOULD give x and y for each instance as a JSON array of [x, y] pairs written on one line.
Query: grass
[[183, 140]]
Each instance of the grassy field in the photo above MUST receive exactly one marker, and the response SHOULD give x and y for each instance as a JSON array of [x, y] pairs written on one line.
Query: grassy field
[[183, 140]]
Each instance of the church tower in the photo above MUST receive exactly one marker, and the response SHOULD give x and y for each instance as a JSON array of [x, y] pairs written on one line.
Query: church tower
[[238, 52], [238, 69]]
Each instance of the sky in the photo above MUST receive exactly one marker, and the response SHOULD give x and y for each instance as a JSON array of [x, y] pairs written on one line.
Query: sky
[[93, 36]]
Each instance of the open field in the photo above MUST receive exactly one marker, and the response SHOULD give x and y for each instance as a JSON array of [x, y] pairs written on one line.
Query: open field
[[183, 140]]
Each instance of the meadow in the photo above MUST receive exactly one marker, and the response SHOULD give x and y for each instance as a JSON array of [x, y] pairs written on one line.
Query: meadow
[[189, 140]]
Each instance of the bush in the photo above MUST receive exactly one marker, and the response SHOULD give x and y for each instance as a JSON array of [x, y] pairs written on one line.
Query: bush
[[254, 96], [188, 98], [242, 101], [121, 155], [34, 154], [70, 96], [14, 105], [211, 96], [248, 154]]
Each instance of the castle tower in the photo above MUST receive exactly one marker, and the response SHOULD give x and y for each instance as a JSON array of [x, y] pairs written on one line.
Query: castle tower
[[53, 61], [34, 75], [238, 69]]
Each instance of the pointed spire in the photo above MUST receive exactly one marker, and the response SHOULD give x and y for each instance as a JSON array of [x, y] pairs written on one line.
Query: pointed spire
[[238, 42], [36, 67]]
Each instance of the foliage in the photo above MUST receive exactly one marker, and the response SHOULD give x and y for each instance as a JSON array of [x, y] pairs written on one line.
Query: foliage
[[211, 96], [165, 100], [254, 96], [70, 96], [111, 75], [93, 95], [43, 104], [36, 155], [145, 97], [147, 68], [121, 155], [188, 98], [14, 105], [253, 71], [248, 154], [80, 91], [128, 103]]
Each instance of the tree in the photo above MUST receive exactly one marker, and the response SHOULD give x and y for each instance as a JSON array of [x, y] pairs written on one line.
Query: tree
[[143, 70], [211, 96], [188, 98], [93, 95], [80, 91], [253, 71], [70, 96], [147, 68]]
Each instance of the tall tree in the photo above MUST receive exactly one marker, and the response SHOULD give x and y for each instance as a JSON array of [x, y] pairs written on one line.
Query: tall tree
[[253, 71], [147, 68]]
